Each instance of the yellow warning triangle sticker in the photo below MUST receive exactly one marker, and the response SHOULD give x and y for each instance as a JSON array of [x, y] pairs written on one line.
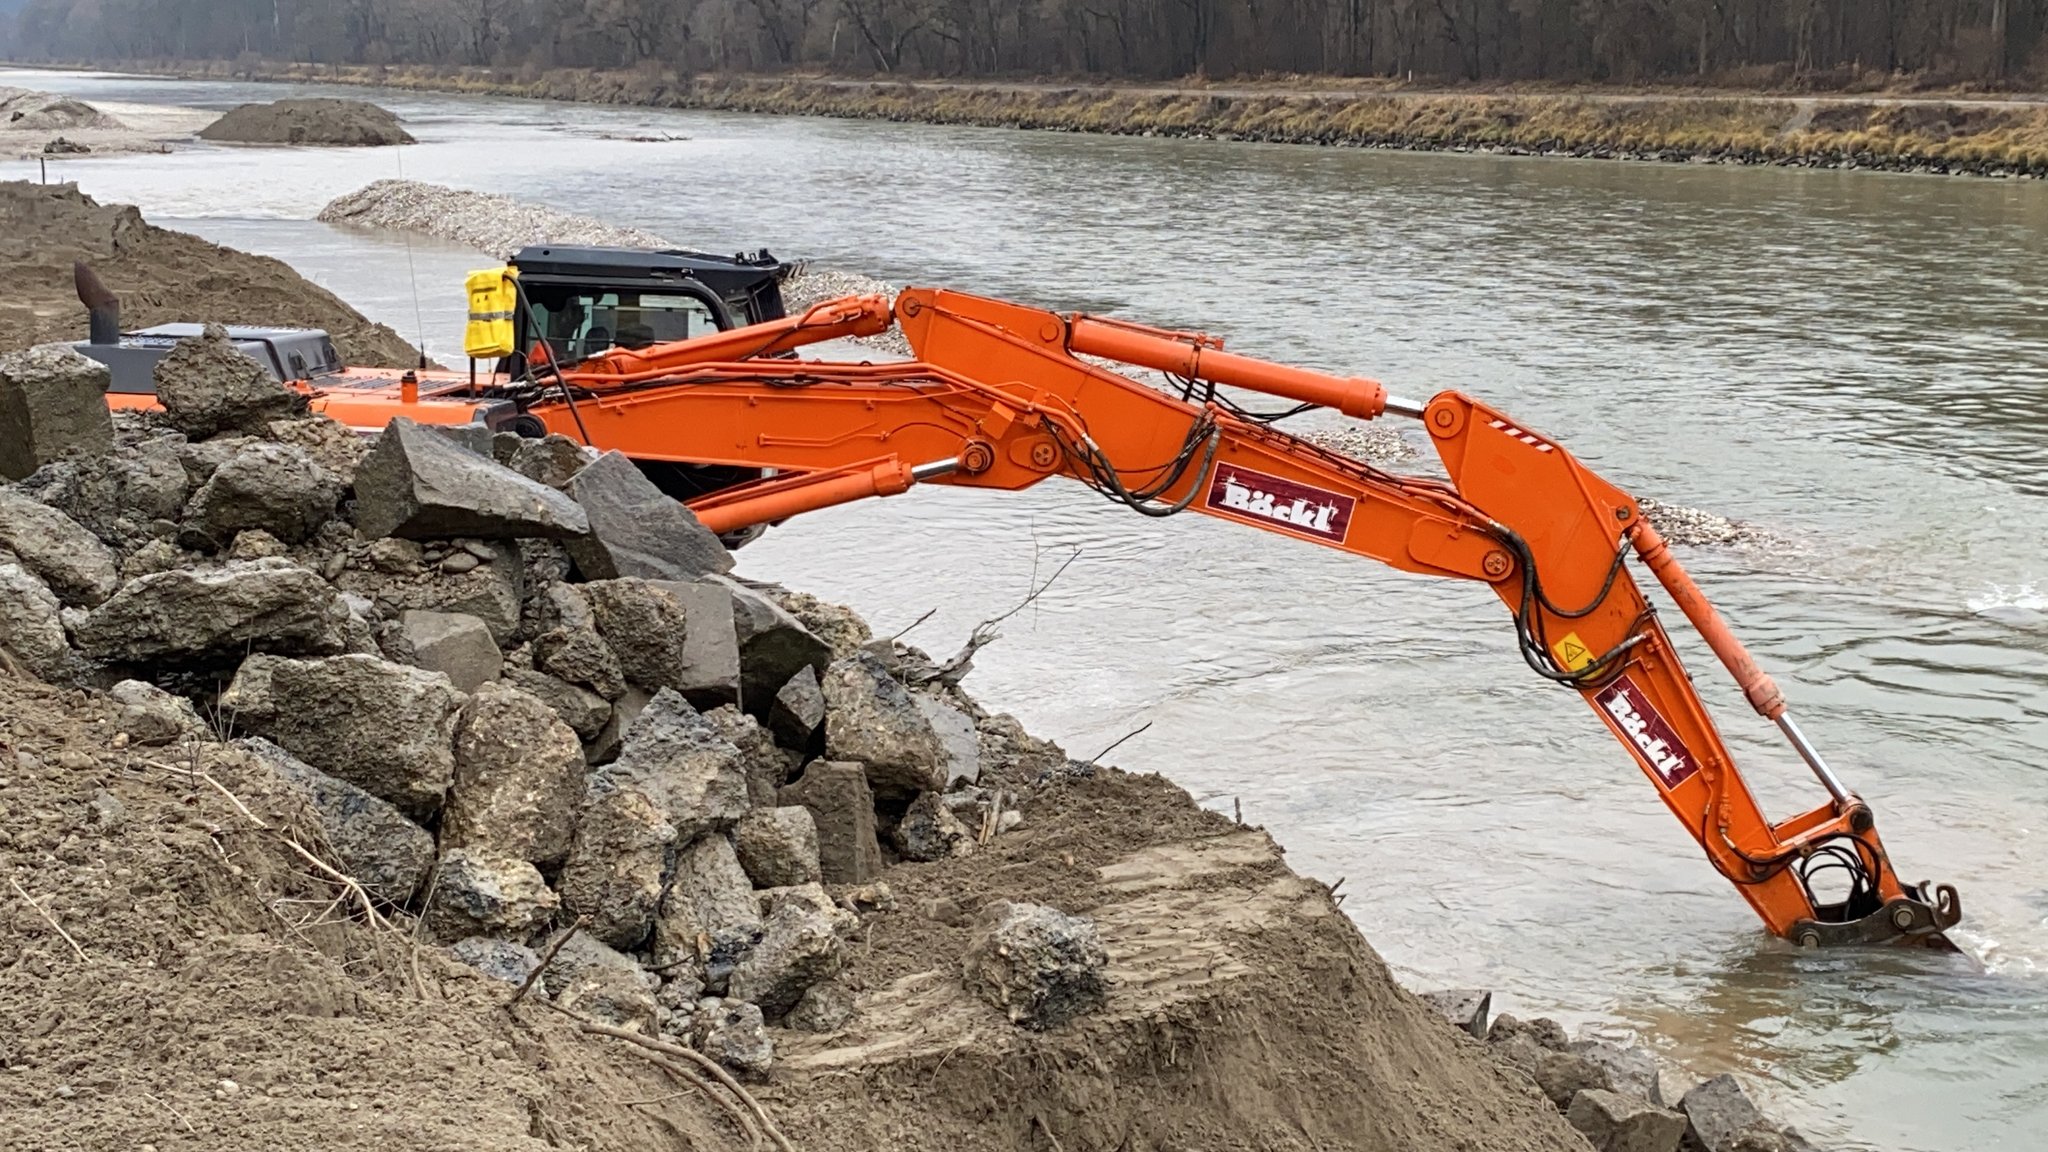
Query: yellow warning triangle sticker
[[1572, 652]]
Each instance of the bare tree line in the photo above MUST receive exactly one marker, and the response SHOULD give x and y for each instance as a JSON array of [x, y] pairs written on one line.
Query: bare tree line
[[1823, 42]]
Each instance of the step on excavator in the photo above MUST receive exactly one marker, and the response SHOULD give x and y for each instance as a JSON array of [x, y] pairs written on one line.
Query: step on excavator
[[1003, 396]]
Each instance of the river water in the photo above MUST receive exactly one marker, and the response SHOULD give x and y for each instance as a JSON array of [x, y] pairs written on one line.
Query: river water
[[1857, 361]]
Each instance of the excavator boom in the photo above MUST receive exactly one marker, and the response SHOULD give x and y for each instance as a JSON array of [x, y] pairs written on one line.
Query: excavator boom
[[1004, 396]]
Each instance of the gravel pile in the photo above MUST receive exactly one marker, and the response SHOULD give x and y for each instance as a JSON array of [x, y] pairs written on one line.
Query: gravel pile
[[1372, 443], [24, 109], [1681, 525]]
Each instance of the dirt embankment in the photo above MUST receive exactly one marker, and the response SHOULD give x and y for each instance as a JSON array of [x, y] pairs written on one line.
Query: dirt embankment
[[341, 123], [161, 276], [46, 124]]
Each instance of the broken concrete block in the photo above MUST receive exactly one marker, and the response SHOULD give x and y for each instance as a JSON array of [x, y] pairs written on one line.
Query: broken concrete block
[[636, 529], [824, 1007], [766, 764], [518, 778], [645, 626], [498, 959], [273, 487], [1631, 1071], [1719, 1114], [696, 768], [778, 846], [207, 387], [798, 711], [709, 914], [871, 718], [456, 645], [386, 728], [387, 854], [929, 831], [584, 711], [1037, 965], [959, 743], [149, 715], [618, 857], [843, 809], [480, 894], [31, 625], [1612, 1122], [254, 544], [709, 675], [196, 615], [58, 549], [1465, 1008], [773, 645], [799, 947], [733, 1033], [53, 403], [551, 460], [420, 486], [580, 656]]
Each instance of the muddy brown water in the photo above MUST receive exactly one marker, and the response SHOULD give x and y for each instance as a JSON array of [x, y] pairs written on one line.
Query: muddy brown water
[[1859, 361]]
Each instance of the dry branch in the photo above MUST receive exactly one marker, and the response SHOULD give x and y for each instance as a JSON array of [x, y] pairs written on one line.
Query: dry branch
[[50, 920]]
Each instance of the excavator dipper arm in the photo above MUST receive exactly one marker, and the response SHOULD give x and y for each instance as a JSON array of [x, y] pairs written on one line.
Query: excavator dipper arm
[[1001, 397]]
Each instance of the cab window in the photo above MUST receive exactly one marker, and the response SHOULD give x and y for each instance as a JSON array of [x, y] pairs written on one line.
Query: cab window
[[579, 325]]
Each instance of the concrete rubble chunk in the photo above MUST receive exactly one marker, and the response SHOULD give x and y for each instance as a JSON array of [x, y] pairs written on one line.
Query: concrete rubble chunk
[[387, 854], [778, 846], [588, 977], [799, 947], [151, 716], [733, 1033], [499, 959], [480, 894], [31, 627], [418, 485], [1465, 1008], [959, 743], [207, 386], [455, 644], [824, 1008], [580, 656], [1037, 965], [709, 675], [618, 858], [871, 718], [1631, 1071], [697, 769], [798, 711], [709, 914], [274, 487], [1613, 1122], [636, 529], [584, 711], [329, 443], [68, 558], [1719, 1113], [645, 626], [518, 777], [773, 645], [386, 728], [929, 831], [843, 809], [766, 764], [551, 460], [53, 403], [196, 615], [1018, 754]]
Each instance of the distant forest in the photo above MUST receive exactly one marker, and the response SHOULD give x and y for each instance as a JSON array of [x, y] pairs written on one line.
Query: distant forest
[[1822, 43]]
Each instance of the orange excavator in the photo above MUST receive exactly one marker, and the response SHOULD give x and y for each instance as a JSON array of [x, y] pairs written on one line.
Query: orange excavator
[[1003, 396]]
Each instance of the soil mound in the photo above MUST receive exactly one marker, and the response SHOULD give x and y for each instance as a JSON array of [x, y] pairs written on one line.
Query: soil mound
[[25, 110], [160, 275], [344, 123]]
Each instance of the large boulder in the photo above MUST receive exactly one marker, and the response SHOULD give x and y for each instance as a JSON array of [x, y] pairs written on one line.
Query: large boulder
[[455, 644], [1613, 1122], [767, 764], [273, 487], [636, 529], [799, 947], [118, 498], [778, 846], [1719, 1114], [618, 857], [959, 743], [207, 386], [799, 710], [198, 615], [1037, 965], [709, 674], [870, 717], [1560, 1074], [330, 444], [53, 403], [553, 460], [709, 914], [386, 728], [1631, 1071], [840, 627], [518, 778], [644, 624], [148, 715], [843, 810], [580, 656], [420, 486], [31, 629], [773, 645], [698, 771], [70, 559], [584, 711], [387, 854], [481, 894]]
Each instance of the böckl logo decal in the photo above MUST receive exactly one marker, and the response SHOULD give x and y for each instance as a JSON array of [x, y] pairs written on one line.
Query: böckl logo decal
[[1288, 504], [1647, 732]]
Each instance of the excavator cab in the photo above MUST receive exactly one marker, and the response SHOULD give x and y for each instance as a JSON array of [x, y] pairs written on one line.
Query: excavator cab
[[582, 302]]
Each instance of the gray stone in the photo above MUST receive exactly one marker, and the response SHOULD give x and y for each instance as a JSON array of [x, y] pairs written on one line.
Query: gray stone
[[255, 544], [843, 809], [1038, 966], [929, 831], [959, 743], [151, 716], [598, 981], [733, 1033], [619, 856], [194, 615], [332, 445], [709, 914], [840, 627], [479, 894], [1670, 1086], [1559, 1074], [1466, 1008], [824, 1007], [31, 627], [395, 557], [552, 460], [709, 675], [53, 402], [471, 437], [584, 711], [697, 769], [1542, 1032], [564, 606], [1005, 746], [498, 959], [386, 853], [767, 766], [206, 387], [812, 898], [199, 458], [457, 645], [490, 592], [773, 645], [1719, 1113], [1612, 1122], [871, 718], [580, 656], [646, 626], [420, 486], [799, 947], [604, 747], [386, 728], [457, 563], [68, 558], [518, 778], [1631, 1071], [778, 846], [799, 710], [274, 487], [636, 529]]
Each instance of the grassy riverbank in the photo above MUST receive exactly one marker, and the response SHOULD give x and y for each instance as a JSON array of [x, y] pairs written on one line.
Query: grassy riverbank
[[1985, 137]]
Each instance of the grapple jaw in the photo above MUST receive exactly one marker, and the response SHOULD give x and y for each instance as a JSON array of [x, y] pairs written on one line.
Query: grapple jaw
[[1917, 917]]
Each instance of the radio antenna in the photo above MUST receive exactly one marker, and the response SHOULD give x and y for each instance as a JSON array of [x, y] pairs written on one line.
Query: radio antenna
[[412, 274]]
